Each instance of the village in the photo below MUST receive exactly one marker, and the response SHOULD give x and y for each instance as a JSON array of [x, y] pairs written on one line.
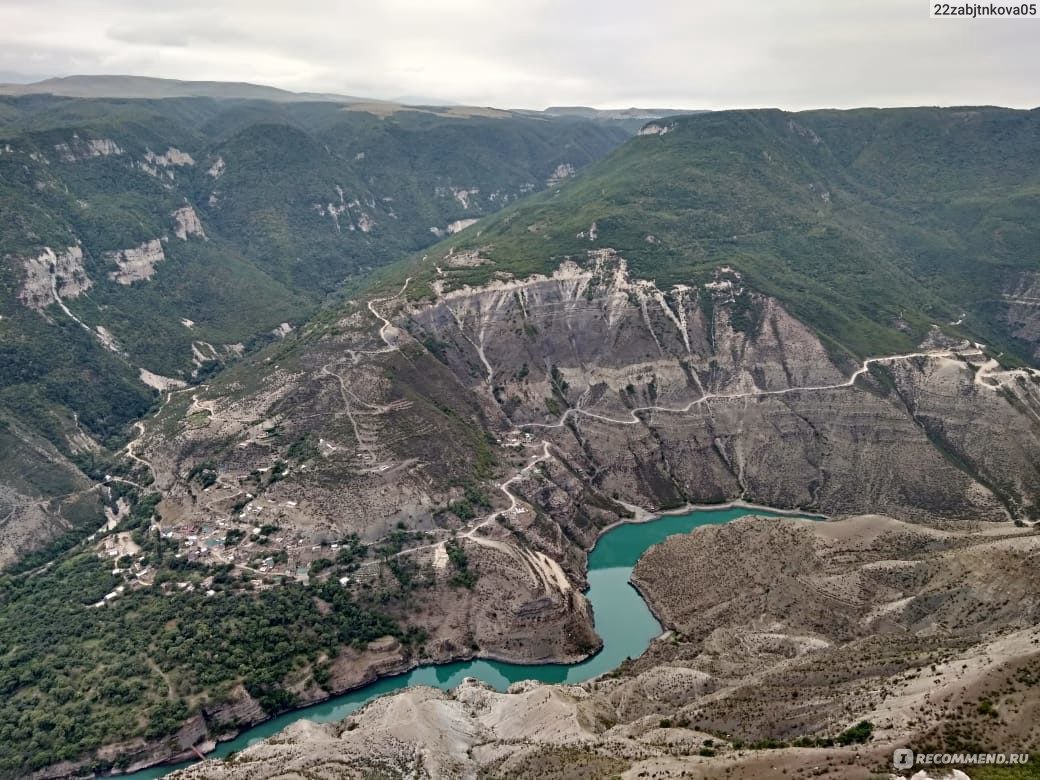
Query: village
[[255, 540], [248, 537], [261, 537]]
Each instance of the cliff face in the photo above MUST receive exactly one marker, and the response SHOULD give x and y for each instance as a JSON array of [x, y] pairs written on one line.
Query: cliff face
[[712, 393], [647, 396], [52, 275], [568, 398], [426, 733]]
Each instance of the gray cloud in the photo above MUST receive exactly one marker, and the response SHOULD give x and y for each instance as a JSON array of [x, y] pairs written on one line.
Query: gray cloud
[[531, 53]]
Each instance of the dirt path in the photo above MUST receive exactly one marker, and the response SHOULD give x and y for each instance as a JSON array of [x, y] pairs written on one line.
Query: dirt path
[[344, 391], [204, 406], [387, 325], [548, 570], [504, 487], [139, 427], [363, 447], [470, 533], [545, 572], [634, 419], [542, 567]]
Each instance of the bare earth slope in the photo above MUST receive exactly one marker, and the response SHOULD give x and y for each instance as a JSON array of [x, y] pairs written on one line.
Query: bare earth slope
[[40, 489], [643, 396]]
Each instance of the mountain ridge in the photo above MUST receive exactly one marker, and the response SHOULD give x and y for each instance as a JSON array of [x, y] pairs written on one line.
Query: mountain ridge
[[130, 86], [765, 191]]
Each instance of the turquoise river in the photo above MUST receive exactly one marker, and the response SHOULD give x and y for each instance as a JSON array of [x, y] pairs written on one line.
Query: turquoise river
[[623, 620]]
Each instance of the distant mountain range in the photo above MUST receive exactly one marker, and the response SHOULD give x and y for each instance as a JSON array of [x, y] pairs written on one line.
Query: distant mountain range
[[17, 77], [147, 87], [644, 114], [88, 86]]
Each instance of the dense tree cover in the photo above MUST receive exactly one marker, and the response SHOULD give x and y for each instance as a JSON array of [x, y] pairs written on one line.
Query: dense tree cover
[[858, 734], [75, 676], [274, 247], [57, 368], [473, 502]]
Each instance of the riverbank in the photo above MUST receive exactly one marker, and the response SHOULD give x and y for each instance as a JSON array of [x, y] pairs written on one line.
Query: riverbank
[[623, 620], [762, 608], [641, 515]]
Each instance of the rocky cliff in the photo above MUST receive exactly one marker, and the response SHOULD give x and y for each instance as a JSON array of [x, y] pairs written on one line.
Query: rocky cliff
[[643, 396]]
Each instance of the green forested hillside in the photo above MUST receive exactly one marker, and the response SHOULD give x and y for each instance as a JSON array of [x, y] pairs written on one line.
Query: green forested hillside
[[76, 677], [871, 224], [185, 230]]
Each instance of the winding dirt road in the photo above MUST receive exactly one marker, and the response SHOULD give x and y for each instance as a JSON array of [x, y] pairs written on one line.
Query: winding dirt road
[[634, 419], [546, 571]]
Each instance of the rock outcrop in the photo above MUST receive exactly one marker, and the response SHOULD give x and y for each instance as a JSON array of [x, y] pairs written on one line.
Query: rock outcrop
[[52, 275], [162, 166], [78, 149], [186, 224], [703, 394], [138, 263]]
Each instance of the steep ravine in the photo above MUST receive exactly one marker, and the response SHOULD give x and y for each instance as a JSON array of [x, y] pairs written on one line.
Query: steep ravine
[[588, 392], [781, 630]]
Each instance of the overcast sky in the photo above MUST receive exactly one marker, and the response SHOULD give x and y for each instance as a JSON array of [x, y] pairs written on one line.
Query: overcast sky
[[533, 53]]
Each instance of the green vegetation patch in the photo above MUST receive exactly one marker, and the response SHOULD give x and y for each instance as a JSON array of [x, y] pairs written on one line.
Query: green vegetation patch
[[75, 676], [870, 225]]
